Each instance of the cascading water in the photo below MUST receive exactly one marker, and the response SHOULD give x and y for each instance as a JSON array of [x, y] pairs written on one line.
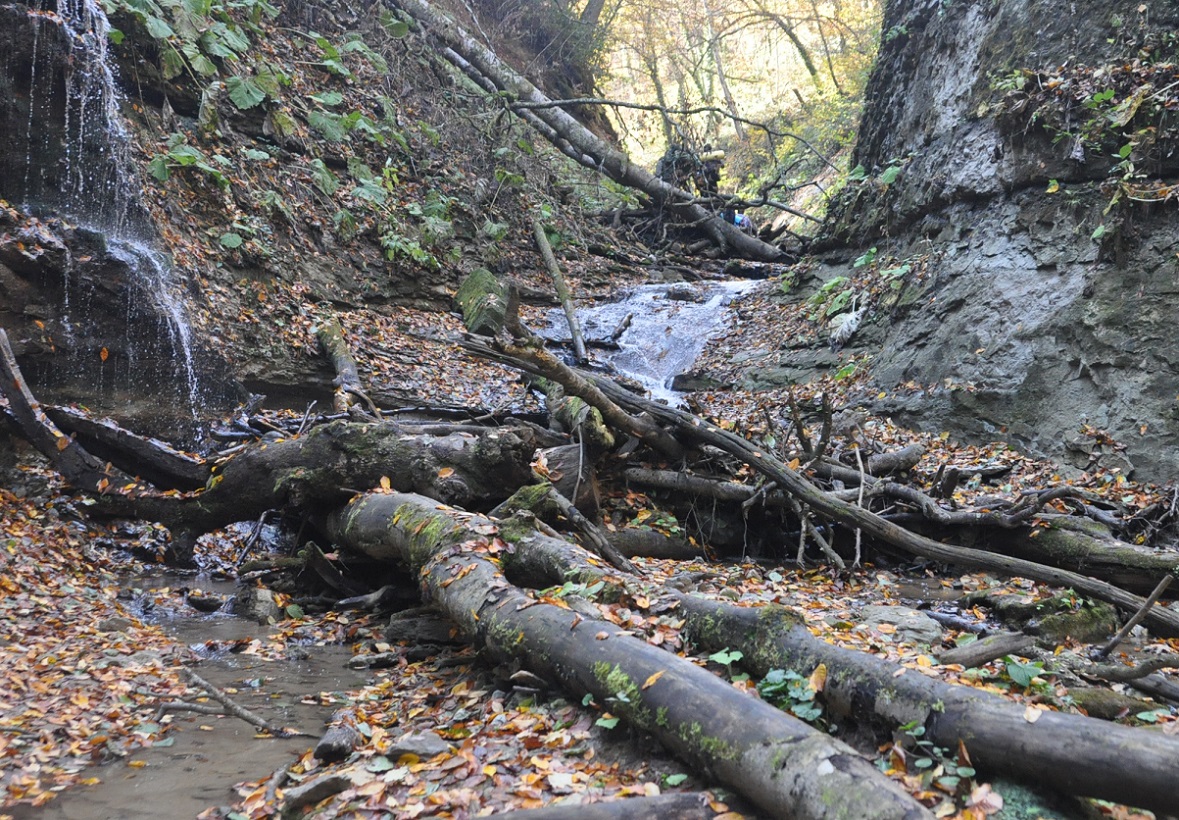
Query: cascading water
[[77, 163], [668, 328]]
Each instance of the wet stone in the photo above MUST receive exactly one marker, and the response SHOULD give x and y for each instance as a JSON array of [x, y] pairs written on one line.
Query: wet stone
[[911, 626]]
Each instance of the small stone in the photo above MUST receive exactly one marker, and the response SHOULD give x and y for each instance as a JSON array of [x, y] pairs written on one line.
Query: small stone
[[115, 624], [911, 625], [423, 744]]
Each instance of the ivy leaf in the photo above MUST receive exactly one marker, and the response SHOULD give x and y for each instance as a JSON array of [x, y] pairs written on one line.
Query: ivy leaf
[[231, 240], [890, 175], [606, 722], [244, 92]]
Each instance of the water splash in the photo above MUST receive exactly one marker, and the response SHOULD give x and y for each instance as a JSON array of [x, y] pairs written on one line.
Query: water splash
[[79, 162], [669, 327], [158, 282]]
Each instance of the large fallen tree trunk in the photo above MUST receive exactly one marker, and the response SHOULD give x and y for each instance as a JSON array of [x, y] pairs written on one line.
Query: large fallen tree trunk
[[321, 469], [779, 763], [577, 141], [1070, 753]]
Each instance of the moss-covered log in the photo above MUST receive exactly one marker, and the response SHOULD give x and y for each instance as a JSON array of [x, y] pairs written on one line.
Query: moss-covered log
[[1070, 753], [779, 763], [319, 471], [483, 301]]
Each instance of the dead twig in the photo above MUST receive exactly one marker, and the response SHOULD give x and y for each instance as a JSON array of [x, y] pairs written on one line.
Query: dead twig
[[1103, 653]]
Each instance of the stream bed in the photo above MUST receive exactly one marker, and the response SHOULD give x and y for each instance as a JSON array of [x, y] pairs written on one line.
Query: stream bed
[[203, 756], [667, 328]]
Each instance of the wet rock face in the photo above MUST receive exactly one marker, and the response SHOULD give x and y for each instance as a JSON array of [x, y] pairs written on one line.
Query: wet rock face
[[1029, 330]]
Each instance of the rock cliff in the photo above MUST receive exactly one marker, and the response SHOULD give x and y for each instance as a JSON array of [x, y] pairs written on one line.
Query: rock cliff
[[1024, 151]]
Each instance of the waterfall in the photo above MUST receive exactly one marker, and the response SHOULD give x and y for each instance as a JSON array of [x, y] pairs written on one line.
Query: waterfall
[[78, 163]]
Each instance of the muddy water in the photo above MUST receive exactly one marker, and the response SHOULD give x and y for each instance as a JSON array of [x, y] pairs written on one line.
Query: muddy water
[[210, 754]]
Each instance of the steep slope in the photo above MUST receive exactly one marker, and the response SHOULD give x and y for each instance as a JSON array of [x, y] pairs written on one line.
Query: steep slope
[[293, 161]]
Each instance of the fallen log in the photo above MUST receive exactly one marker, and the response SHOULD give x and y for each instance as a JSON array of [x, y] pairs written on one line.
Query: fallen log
[[777, 762], [152, 460], [595, 388], [347, 382], [69, 458], [1067, 752], [682, 805], [321, 469]]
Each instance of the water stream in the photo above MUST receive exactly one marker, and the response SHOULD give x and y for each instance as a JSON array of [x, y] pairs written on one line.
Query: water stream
[[669, 326], [199, 766]]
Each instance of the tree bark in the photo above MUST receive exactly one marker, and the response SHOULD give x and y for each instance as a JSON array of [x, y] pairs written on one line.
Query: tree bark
[[577, 141], [562, 289], [779, 763], [324, 467], [1068, 752]]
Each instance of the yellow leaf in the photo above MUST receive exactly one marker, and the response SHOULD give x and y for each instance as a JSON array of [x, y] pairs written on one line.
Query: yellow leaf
[[446, 472], [385, 483], [137, 764], [63, 443], [794, 464], [818, 678], [104, 354], [651, 680], [1031, 714]]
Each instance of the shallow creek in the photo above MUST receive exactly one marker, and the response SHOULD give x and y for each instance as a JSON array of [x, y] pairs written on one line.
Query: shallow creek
[[200, 767]]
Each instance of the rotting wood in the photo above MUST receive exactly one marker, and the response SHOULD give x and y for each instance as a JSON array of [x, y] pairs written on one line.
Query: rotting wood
[[775, 761], [627, 407], [348, 385], [986, 649], [540, 362], [1067, 752], [150, 459], [1164, 621], [680, 805]]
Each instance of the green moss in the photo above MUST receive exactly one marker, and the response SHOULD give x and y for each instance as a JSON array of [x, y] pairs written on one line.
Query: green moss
[[693, 735], [615, 682]]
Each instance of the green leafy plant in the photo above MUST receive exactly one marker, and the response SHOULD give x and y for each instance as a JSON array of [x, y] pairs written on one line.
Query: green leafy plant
[[936, 766], [179, 154], [790, 692], [1022, 673], [866, 258]]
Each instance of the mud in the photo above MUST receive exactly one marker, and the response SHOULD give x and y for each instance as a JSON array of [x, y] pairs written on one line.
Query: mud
[[207, 754]]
